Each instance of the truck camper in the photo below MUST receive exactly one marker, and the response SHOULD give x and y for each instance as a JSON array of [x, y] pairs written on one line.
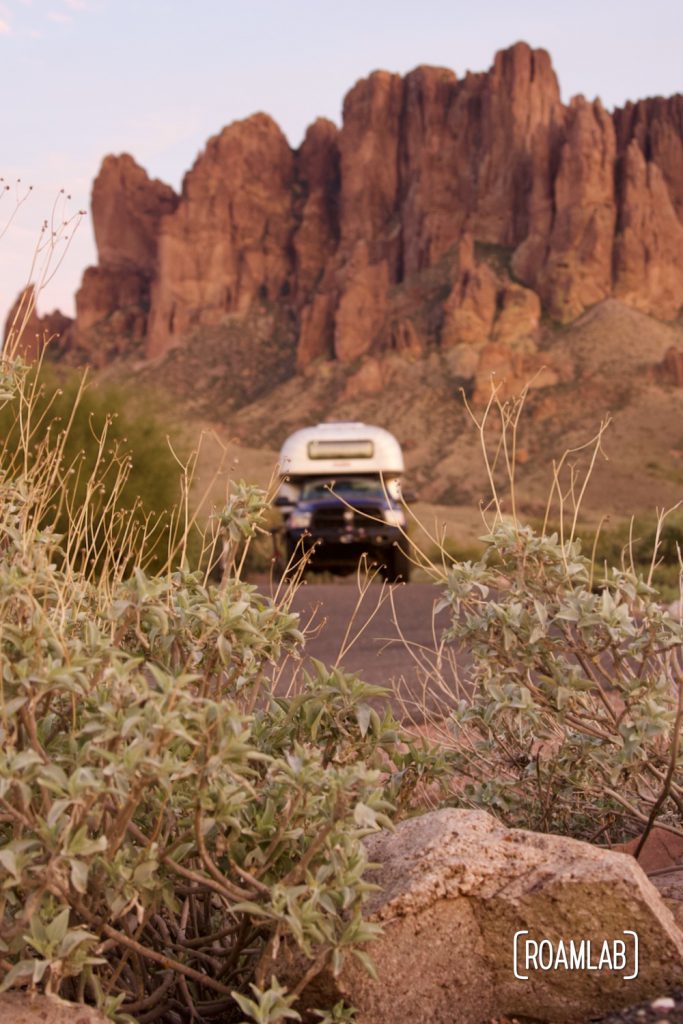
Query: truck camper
[[340, 497]]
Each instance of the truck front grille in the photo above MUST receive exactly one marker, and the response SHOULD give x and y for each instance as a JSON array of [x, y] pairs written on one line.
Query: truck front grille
[[340, 516]]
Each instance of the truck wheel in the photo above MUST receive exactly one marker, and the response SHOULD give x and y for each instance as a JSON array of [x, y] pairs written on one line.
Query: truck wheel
[[397, 566]]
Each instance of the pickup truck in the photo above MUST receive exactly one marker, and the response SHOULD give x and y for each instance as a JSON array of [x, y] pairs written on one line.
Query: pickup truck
[[340, 496]]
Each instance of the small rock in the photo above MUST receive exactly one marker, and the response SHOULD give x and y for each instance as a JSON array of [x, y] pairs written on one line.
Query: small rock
[[31, 1008]]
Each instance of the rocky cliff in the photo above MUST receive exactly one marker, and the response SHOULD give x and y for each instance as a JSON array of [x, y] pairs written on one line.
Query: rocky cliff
[[113, 302], [444, 213], [26, 333]]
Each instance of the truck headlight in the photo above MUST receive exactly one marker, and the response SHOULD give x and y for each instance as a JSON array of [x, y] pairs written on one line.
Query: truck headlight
[[394, 516], [299, 520]]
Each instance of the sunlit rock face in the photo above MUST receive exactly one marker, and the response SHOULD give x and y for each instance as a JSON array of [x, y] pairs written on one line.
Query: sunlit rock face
[[444, 211]]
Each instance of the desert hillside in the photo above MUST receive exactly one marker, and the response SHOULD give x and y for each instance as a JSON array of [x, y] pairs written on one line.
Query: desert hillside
[[452, 229]]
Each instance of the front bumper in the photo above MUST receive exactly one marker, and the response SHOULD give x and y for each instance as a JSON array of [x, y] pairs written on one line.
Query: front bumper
[[342, 547]]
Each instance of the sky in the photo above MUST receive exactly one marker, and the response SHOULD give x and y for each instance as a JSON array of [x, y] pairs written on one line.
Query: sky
[[156, 78]]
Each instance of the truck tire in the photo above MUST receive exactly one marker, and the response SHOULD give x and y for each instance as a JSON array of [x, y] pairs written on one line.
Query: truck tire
[[397, 566]]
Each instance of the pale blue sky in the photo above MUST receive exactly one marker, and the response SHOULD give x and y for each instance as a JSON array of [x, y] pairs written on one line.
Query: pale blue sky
[[83, 78]]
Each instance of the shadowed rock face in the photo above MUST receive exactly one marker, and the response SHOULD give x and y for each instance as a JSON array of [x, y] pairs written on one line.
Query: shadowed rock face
[[447, 211], [648, 254]]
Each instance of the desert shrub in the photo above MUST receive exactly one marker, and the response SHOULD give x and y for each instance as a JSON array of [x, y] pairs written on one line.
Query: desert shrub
[[631, 545], [247, 534], [450, 550], [166, 822], [103, 453], [565, 712], [575, 709]]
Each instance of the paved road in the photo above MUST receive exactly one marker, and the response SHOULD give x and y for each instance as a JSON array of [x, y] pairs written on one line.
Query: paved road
[[389, 635]]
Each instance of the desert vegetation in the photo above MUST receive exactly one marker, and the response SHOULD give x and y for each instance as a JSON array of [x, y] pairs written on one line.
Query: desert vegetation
[[165, 822], [168, 824], [567, 717], [100, 457]]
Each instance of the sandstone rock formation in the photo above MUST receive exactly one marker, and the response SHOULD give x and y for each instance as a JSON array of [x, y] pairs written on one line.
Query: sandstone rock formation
[[519, 314], [112, 304], [656, 124], [577, 271], [649, 248], [443, 212], [27, 334], [362, 305], [316, 212], [459, 893], [127, 208], [228, 244]]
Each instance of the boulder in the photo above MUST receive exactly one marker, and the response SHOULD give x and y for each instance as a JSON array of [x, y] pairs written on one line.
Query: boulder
[[519, 314], [661, 849], [459, 893], [462, 361], [662, 858], [369, 379], [512, 369]]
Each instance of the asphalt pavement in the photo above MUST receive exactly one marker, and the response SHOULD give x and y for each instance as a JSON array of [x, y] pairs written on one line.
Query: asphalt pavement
[[390, 635]]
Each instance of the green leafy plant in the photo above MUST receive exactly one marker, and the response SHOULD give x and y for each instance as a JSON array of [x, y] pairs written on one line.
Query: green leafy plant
[[105, 461]]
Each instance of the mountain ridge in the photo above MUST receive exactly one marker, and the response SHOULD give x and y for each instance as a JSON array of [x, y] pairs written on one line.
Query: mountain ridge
[[427, 172], [450, 230]]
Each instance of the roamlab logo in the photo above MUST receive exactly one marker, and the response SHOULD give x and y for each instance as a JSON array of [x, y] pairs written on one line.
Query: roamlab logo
[[533, 955]]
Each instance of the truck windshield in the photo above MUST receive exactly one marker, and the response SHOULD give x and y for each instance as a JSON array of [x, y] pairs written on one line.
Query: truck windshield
[[347, 486]]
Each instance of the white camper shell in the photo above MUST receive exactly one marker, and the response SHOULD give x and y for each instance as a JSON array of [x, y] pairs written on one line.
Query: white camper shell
[[340, 449]]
